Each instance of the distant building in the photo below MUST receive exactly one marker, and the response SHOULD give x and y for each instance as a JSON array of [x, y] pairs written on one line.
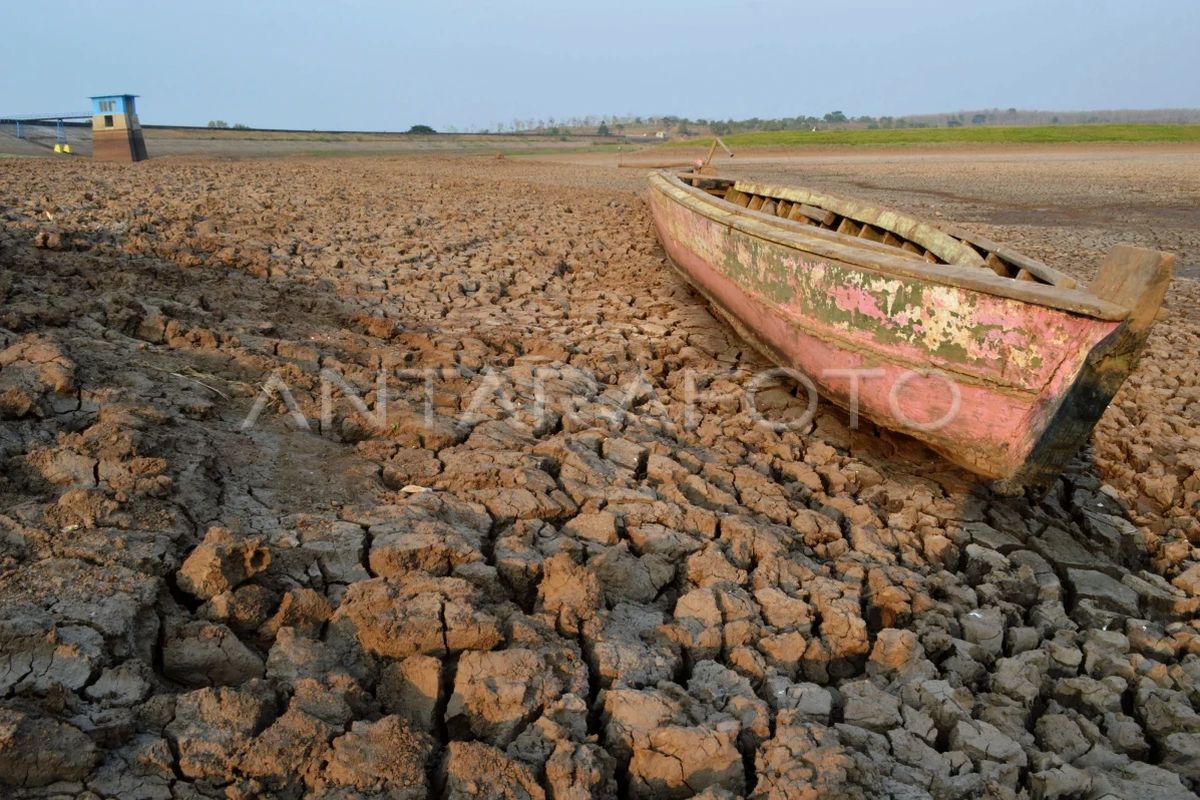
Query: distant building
[[116, 132]]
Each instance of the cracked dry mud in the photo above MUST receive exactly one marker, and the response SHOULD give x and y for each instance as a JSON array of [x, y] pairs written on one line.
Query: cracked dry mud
[[618, 597]]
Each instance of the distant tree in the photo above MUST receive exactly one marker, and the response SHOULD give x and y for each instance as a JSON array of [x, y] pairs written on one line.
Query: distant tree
[[1012, 111], [421, 129], [218, 123], [953, 123], [603, 129], [835, 116], [1054, 120], [979, 119], [237, 126]]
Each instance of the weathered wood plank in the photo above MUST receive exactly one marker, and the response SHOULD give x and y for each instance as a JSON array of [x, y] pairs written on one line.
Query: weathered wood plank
[[871, 233], [997, 266], [736, 197], [820, 216], [1137, 279]]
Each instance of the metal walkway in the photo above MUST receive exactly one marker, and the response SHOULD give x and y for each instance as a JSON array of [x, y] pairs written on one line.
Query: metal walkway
[[60, 133]]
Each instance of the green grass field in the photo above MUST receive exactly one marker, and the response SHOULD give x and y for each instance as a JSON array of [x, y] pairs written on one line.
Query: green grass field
[[1037, 134]]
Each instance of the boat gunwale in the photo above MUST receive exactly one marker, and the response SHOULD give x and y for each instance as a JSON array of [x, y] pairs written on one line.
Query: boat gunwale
[[794, 236]]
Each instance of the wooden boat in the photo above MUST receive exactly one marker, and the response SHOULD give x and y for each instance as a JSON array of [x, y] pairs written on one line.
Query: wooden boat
[[997, 361]]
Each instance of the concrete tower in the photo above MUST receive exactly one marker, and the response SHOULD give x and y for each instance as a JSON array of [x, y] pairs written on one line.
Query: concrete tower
[[116, 133]]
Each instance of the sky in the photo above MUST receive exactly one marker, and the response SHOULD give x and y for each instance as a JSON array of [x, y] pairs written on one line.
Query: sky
[[373, 65]]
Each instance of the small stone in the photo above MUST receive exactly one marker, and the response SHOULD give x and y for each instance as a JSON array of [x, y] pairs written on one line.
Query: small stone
[[1059, 734], [806, 701], [678, 762], [208, 654], [211, 726], [48, 240], [1065, 657], [303, 609], [244, 609], [1181, 754], [1060, 782], [1090, 696], [984, 627], [222, 562], [1189, 580], [122, 685], [898, 654], [476, 771], [1150, 639], [1063, 551], [625, 453], [984, 742], [1164, 712], [1021, 677], [411, 688], [38, 751], [570, 592], [599, 527], [919, 724], [868, 706], [496, 694], [382, 758], [1103, 590], [399, 616], [1125, 735], [1020, 639], [580, 771], [1107, 653], [983, 534], [1160, 600], [941, 551]]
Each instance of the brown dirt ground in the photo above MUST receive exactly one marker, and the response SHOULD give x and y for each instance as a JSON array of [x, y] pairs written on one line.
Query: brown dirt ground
[[582, 603]]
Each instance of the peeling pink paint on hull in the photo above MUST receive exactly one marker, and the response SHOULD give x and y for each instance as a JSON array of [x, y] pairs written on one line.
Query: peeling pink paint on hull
[[1006, 397]]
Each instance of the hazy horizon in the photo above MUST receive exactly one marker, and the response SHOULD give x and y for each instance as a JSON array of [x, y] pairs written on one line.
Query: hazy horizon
[[378, 66]]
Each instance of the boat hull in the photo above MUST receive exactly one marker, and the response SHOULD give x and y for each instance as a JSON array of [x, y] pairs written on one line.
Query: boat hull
[[1007, 389]]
